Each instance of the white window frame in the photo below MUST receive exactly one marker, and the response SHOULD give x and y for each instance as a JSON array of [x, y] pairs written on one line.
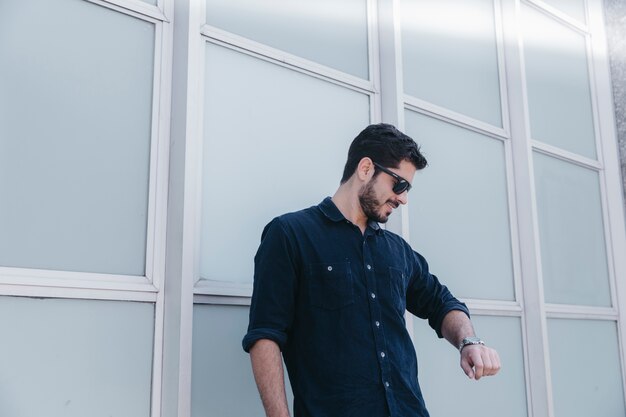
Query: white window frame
[[388, 104], [46, 282], [529, 305], [118, 287], [217, 36]]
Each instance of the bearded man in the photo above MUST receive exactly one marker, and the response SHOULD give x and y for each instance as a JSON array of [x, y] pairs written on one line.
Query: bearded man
[[331, 288]]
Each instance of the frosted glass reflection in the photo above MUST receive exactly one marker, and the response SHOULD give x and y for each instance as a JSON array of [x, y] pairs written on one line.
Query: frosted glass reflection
[[450, 56], [330, 32], [459, 210], [75, 358], [573, 8], [75, 116], [573, 251], [441, 377], [275, 140], [559, 98], [222, 383], [585, 388]]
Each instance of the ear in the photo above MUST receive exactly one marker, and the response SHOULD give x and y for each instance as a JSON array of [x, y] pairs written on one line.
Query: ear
[[365, 169]]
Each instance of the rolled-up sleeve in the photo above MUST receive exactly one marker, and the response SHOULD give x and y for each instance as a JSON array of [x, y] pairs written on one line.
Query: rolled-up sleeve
[[275, 286], [427, 298]]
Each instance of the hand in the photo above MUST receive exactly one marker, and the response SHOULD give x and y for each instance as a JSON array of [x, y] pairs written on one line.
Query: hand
[[478, 361]]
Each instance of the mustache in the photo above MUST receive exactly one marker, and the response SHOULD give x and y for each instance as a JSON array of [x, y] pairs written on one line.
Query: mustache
[[395, 204]]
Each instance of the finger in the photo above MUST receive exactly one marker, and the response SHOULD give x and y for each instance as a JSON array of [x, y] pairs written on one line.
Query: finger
[[496, 361], [492, 365], [467, 367], [487, 362], [478, 365]]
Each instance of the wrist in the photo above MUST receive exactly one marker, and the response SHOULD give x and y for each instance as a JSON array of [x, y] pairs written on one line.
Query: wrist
[[472, 340]]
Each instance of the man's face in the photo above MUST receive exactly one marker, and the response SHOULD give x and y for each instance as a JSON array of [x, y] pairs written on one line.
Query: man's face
[[377, 198]]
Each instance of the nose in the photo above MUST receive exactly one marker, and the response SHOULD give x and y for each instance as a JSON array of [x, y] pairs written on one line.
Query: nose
[[403, 198]]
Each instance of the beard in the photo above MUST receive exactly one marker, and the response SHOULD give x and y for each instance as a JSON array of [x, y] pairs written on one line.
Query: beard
[[370, 204]]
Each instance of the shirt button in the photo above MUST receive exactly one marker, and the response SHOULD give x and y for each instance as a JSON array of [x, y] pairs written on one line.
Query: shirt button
[[377, 323], [386, 384], [382, 354], [369, 266], [373, 295], [330, 268]]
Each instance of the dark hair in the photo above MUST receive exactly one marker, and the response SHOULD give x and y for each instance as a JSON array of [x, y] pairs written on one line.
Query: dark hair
[[385, 145]]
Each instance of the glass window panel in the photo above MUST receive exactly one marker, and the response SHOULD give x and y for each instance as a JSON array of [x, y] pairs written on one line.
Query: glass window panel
[[275, 141], [75, 358], [441, 376], [557, 81], [329, 32], [450, 56], [75, 120], [573, 251], [222, 383], [583, 388], [459, 211], [573, 8]]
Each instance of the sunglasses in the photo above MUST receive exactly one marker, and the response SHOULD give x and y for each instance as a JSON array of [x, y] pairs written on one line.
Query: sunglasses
[[401, 184]]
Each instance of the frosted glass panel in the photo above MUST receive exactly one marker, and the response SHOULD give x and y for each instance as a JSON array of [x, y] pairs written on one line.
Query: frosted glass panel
[[275, 140], [573, 8], [450, 56], [573, 251], [329, 32], [557, 79], [442, 379], [75, 116], [75, 358], [459, 210], [582, 388], [222, 381]]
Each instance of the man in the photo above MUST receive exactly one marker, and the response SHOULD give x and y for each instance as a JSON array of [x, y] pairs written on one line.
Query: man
[[331, 289]]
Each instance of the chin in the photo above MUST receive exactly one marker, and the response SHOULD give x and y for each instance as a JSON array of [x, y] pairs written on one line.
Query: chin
[[382, 218]]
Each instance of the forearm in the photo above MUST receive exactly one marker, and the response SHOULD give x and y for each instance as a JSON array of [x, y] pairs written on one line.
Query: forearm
[[456, 326], [267, 367]]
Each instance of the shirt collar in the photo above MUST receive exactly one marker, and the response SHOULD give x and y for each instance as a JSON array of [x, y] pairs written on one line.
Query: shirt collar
[[330, 210]]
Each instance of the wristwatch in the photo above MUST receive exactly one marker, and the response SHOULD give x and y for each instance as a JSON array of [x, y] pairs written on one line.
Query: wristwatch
[[470, 341]]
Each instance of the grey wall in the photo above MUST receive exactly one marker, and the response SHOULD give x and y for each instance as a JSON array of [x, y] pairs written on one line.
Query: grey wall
[[615, 15]]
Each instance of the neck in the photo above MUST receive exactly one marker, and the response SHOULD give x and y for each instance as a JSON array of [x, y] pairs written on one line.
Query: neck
[[346, 199]]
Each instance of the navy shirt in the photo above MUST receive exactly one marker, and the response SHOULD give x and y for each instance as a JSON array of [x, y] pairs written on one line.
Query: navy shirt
[[334, 299]]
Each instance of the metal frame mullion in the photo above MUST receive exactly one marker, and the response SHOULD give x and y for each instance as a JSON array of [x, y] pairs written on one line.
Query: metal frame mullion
[[260, 50], [535, 326], [557, 14]]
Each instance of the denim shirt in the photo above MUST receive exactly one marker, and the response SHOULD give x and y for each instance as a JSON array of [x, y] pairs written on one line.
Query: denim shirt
[[334, 299]]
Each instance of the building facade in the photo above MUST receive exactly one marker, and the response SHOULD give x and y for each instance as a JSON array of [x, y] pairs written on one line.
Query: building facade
[[145, 144]]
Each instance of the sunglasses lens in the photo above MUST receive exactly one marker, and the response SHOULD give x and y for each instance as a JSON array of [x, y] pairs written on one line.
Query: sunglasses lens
[[401, 186]]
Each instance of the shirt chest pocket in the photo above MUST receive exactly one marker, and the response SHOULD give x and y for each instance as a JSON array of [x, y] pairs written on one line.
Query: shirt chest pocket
[[330, 285], [397, 288]]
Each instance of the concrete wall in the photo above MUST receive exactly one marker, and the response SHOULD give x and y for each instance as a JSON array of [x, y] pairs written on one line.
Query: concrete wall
[[615, 15]]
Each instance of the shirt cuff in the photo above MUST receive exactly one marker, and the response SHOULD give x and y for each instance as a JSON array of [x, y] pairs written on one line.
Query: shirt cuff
[[280, 338]]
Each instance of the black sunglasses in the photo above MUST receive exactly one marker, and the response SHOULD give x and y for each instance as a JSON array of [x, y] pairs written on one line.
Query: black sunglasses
[[401, 184]]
